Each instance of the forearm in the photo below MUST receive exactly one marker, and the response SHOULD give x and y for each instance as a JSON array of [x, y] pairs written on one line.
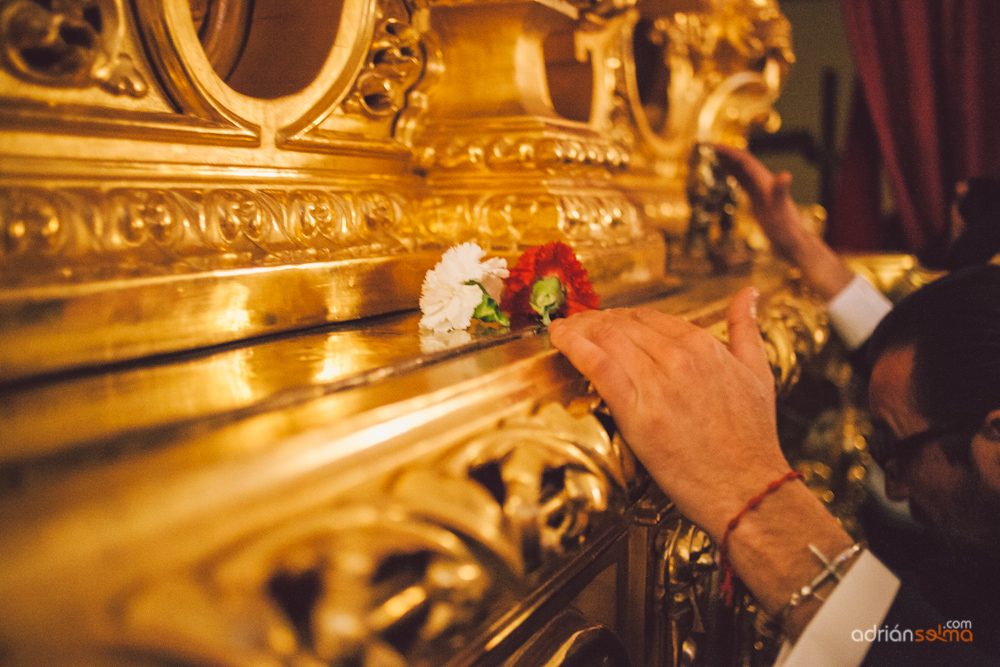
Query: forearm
[[820, 265], [769, 550]]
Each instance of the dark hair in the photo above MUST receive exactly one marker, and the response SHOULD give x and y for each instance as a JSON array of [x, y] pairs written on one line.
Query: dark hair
[[980, 211], [953, 325]]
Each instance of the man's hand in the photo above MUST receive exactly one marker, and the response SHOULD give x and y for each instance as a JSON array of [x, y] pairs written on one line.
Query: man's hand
[[770, 197], [700, 417], [779, 217]]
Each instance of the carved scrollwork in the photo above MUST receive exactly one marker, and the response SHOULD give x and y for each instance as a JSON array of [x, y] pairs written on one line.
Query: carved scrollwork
[[795, 328], [715, 56], [551, 474], [357, 586], [116, 227], [405, 579], [135, 217], [514, 220], [69, 43], [232, 214]]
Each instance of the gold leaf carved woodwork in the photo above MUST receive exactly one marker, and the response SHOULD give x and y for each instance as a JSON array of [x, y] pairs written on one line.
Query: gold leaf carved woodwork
[[512, 151], [394, 64], [795, 328], [69, 43], [502, 220], [608, 46], [685, 577], [405, 579], [552, 474], [599, 11], [726, 66], [91, 230], [380, 89], [364, 585]]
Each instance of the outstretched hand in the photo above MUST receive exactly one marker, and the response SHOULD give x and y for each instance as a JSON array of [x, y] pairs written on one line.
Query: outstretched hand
[[700, 417], [779, 218], [770, 197]]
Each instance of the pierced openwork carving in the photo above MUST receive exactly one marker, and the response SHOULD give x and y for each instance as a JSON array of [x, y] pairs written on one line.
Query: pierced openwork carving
[[394, 64], [361, 585], [68, 43], [405, 578], [552, 475]]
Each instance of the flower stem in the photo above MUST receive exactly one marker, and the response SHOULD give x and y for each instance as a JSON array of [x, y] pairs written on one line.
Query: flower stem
[[547, 297], [488, 309]]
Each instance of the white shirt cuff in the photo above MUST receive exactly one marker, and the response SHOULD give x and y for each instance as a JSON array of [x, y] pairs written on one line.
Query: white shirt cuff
[[835, 637], [856, 311]]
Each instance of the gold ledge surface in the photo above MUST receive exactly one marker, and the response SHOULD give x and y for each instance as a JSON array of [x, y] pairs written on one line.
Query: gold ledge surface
[[357, 423]]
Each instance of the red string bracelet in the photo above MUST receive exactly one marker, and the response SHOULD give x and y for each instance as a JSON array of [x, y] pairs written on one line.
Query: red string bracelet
[[724, 564]]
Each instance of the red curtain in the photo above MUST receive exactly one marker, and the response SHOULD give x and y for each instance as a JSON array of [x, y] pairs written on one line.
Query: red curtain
[[930, 74]]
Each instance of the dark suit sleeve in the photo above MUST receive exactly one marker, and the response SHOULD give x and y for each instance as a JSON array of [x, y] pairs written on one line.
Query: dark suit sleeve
[[910, 612]]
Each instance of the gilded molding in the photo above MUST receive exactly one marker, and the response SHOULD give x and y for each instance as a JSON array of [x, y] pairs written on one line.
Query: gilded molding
[[503, 220], [82, 233], [566, 154]]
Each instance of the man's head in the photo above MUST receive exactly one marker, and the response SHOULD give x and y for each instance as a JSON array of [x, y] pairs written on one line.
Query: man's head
[[975, 223], [935, 384]]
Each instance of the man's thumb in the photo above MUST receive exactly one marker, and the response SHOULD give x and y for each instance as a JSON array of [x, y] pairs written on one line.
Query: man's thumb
[[745, 341]]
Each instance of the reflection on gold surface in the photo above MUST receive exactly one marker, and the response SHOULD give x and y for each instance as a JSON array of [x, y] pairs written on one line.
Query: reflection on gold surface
[[49, 416], [198, 165], [895, 275], [218, 483], [196, 465]]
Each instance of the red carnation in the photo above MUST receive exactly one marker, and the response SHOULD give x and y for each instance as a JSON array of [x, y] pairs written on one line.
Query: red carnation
[[548, 282]]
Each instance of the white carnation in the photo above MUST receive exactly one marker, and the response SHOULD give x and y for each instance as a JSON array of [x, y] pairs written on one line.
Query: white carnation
[[446, 301]]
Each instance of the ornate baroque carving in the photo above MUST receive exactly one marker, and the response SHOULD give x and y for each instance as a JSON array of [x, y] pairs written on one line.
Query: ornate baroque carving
[[513, 151], [357, 585], [711, 55], [395, 62], [68, 43], [685, 577], [403, 580], [508, 221], [795, 328], [83, 229]]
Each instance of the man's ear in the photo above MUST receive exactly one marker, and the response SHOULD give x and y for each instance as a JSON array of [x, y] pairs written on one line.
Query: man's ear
[[991, 425]]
